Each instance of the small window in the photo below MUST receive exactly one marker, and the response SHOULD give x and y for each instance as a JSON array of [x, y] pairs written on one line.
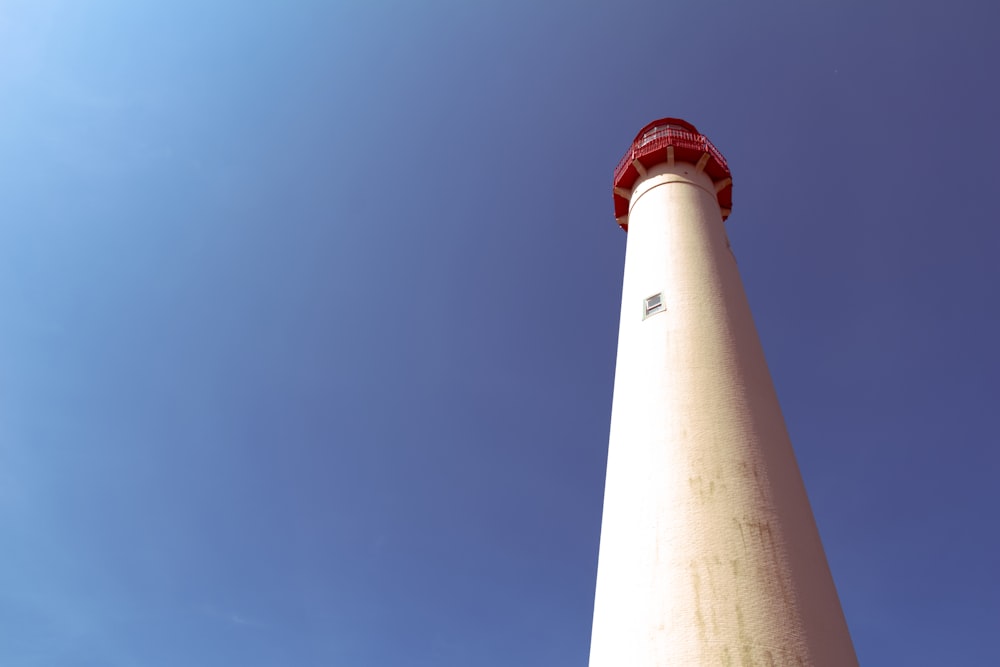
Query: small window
[[653, 305]]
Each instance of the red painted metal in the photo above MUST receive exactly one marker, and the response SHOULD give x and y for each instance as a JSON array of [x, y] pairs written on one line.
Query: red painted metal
[[650, 148]]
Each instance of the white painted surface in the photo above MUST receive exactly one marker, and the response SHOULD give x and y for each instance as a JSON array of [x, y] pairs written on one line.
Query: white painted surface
[[709, 553]]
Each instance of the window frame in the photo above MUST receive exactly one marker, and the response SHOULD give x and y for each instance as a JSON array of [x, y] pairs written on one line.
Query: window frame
[[649, 310]]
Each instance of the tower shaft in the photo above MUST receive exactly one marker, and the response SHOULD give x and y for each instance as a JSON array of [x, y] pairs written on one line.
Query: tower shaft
[[709, 553]]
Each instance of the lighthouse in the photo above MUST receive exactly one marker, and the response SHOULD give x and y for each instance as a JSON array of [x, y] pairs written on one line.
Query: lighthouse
[[709, 552]]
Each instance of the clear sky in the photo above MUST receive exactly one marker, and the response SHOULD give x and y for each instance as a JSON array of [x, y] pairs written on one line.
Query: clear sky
[[308, 315]]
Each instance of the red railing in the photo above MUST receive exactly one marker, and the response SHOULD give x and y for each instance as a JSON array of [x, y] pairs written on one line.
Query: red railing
[[660, 137], [650, 147]]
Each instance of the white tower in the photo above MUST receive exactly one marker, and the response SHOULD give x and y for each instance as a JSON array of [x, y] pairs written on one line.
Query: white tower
[[709, 552]]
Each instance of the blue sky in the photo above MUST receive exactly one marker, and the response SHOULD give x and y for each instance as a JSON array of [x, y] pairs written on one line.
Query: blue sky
[[309, 315]]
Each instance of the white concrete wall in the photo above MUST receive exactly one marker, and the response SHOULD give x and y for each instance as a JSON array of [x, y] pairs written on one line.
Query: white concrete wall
[[709, 552]]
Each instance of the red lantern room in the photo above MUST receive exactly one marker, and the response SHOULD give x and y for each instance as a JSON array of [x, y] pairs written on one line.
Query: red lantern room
[[670, 140]]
